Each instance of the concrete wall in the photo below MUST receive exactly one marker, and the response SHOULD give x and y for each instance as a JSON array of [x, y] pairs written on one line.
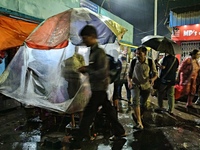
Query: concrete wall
[[45, 8]]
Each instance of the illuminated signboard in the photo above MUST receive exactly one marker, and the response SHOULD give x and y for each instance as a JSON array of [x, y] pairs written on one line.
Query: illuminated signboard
[[186, 33]]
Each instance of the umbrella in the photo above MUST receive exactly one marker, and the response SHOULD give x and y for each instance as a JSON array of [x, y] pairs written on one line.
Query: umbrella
[[161, 44], [56, 31], [36, 72]]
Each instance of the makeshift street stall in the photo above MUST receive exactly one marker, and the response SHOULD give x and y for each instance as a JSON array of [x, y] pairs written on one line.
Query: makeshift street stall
[[35, 75]]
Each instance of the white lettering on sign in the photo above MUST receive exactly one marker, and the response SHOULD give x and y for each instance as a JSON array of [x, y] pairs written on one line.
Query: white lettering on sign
[[190, 32]]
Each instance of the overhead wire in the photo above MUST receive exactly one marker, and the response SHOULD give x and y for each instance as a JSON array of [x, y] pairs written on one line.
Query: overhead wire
[[142, 32], [161, 21]]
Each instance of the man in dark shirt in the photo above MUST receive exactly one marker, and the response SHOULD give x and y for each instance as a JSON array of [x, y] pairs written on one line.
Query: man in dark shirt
[[99, 81], [168, 69]]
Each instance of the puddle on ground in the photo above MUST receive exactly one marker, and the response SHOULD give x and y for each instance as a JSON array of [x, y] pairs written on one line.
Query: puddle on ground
[[31, 134]]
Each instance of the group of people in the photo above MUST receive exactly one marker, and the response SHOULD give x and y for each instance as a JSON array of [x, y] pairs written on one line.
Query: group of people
[[179, 79], [139, 79]]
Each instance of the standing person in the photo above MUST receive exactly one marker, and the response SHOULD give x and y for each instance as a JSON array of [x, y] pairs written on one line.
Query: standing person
[[187, 75], [168, 69], [70, 73], [139, 81], [73, 77], [116, 94], [99, 81], [123, 79]]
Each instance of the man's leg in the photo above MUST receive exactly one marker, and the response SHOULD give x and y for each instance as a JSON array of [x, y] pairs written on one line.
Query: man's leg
[[161, 94], [120, 84], [128, 92], [89, 114], [171, 99], [136, 105], [116, 95], [118, 129], [144, 95]]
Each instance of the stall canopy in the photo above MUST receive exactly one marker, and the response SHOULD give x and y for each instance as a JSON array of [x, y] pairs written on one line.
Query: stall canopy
[[44, 73], [13, 32]]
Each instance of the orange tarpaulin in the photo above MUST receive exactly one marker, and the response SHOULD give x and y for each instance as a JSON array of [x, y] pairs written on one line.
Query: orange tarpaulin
[[13, 32], [53, 33]]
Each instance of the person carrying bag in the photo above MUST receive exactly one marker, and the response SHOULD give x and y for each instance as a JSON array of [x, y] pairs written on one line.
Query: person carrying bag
[[159, 80], [167, 79]]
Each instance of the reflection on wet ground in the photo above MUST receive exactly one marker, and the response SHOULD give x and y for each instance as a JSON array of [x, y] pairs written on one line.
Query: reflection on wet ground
[[38, 129]]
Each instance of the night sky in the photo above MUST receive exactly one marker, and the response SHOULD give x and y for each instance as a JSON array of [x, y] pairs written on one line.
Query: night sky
[[140, 13]]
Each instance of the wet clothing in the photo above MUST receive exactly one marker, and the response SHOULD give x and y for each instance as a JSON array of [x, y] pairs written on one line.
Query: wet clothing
[[168, 82], [100, 98], [99, 80], [98, 69], [141, 73], [128, 91], [116, 94], [170, 78], [169, 90], [140, 96], [188, 71]]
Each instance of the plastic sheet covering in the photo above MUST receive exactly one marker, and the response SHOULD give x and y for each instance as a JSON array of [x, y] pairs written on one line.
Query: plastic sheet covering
[[47, 79], [55, 31]]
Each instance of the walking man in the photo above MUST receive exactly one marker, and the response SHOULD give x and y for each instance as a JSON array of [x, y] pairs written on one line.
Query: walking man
[[139, 81], [99, 81], [168, 70]]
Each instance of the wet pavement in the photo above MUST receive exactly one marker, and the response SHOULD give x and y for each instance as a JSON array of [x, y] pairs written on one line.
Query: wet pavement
[[37, 129]]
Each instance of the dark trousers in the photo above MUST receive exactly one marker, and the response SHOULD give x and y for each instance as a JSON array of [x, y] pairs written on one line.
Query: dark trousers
[[169, 90], [128, 91], [99, 98]]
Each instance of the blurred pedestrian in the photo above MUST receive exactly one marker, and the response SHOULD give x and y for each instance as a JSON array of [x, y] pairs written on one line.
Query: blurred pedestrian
[[73, 77], [168, 69], [187, 75], [70, 73], [141, 76], [99, 81], [116, 94], [123, 79]]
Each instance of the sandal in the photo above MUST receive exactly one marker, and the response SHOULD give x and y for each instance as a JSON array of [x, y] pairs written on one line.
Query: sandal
[[138, 127], [115, 138]]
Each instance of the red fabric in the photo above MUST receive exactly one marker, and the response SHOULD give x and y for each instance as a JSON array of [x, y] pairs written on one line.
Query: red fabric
[[2, 54], [188, 71], [178, 91], [51, 34], [46, 47]]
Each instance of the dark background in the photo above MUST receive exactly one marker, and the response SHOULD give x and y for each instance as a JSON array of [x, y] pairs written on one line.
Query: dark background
[[140, 13]]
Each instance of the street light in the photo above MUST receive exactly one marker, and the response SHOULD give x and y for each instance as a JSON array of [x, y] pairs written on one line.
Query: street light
[[155, 16]]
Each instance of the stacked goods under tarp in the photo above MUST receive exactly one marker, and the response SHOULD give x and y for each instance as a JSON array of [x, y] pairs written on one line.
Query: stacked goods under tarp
[[43, 72]]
